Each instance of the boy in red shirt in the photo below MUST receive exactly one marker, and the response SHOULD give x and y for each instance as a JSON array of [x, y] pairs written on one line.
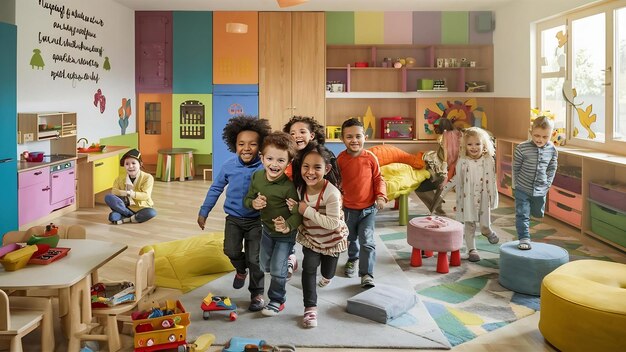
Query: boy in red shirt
[[364, 193]]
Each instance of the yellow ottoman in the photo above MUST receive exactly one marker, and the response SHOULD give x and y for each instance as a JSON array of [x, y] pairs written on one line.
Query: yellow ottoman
[[583, 306]]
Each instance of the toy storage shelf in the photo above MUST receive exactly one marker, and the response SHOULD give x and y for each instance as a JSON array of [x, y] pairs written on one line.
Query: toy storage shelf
[[41, 126], [588, 193]]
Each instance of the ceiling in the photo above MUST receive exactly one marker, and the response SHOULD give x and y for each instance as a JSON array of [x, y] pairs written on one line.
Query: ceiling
[[316, 5]]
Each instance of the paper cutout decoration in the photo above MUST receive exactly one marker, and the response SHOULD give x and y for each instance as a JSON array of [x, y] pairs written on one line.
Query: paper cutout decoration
[[107, 65], [562, 38], [586, 119], [369, 123], [36, 60], [99, 98], [124, 113]]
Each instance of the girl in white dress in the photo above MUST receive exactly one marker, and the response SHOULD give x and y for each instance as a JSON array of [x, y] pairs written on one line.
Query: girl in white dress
[[475, 183]]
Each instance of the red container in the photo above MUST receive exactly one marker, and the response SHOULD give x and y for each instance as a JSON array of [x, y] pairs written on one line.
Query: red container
[[361, 64], [35, 157], [396, 128]]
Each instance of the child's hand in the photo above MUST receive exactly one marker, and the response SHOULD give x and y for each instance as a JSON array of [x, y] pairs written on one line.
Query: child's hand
[[380, 203], [129, 187], [201, 221], [259, 202], [302, 207], [280, 225], [291, 203]]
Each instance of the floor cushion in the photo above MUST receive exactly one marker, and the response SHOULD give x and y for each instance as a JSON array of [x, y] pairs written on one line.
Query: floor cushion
[[382, 303], [402, 179], [191, 262]]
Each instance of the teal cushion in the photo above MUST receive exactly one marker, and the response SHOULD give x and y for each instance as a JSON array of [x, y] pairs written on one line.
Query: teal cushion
[[382, 303]]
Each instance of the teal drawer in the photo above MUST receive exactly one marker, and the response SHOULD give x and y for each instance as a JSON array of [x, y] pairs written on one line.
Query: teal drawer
[[609, 232], [608, 215]]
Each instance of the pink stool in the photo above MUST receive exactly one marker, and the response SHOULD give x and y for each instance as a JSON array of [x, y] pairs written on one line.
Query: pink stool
[[438, 234]]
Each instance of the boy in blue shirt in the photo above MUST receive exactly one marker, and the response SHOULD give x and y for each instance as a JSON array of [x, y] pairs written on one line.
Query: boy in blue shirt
[[242, 232]]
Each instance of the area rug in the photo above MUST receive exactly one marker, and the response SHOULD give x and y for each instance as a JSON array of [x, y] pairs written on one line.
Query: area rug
[[469, 301], [415, 329]]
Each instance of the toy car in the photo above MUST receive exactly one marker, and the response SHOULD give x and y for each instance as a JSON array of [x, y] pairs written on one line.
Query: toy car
[[212, 303]]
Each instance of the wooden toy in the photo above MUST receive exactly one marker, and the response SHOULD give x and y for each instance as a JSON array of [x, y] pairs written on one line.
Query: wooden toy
[[212, 303], [168, 331]]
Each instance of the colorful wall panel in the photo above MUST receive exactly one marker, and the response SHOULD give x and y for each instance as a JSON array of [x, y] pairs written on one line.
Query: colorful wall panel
[[464, 112], [422, 27], [192, 122], [235, 55], [193, 52]]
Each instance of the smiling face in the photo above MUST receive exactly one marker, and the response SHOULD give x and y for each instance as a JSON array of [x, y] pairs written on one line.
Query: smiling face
[[313, 170], [474, 147], [247, 145], [301, 134], [275, 162], [353, 138], [540, 136], [132, 166]]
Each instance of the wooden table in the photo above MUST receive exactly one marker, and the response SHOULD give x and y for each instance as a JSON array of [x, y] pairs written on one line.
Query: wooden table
[[85, 167], [186, 164], [71, 273]]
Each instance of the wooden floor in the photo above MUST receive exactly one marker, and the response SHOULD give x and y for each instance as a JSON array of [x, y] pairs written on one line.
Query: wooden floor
[[177, 204]]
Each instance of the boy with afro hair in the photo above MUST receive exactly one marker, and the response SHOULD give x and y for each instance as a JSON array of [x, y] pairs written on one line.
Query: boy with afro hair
[[242, 233]]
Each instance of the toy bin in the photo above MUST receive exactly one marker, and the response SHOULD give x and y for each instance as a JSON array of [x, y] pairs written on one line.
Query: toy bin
[[610, 194], [608, 223], [164, 332], [567, 198], [565, 213], [17, 259], [567, 182]]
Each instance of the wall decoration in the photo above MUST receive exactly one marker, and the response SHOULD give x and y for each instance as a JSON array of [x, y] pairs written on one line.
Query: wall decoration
[[107, 65], [124, 113], [36, 60], [562, 38], [369, 124], [586, 119], [463, 114], [99, 98]]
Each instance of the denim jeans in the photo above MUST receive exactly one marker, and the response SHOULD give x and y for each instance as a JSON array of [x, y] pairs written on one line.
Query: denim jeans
[[242, 243], [310, 263], [120, 211], [361, 243], [273, 259], [525, 206]]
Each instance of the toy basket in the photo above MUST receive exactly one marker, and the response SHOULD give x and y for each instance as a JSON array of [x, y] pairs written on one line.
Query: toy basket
[[162, 332]]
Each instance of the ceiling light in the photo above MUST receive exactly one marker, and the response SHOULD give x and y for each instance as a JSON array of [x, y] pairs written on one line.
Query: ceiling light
[[287, 3], [238, 28]]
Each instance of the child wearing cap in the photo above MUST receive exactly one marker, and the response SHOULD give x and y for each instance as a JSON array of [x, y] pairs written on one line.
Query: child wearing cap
[[131, 195]]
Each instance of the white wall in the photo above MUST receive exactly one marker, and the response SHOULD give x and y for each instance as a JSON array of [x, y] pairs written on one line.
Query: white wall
[[37, 91], [512, 42]]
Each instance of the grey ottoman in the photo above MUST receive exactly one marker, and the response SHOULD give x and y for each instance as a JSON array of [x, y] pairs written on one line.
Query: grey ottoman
[[382, 303], [522, 271]]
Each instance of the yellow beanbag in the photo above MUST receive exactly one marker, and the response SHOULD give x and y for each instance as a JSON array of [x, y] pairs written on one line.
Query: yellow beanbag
[[191, 262], [402, 179]]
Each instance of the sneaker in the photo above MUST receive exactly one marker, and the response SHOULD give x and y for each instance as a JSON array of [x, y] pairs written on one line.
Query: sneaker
[[240, 279], [309, 320], [292, 265], [349, 269], [324, 282], [367, 281], [257, 303], [273, 308]]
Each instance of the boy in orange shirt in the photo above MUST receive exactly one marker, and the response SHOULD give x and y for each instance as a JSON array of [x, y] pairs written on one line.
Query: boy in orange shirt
[[364, 194]]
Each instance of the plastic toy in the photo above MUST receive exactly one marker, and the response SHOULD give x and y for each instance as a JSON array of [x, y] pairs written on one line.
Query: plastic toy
[[238, 344], [168, 331], [202, 343], [212, 303]]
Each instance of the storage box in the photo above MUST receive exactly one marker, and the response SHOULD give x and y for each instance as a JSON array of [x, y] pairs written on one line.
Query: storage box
[[567, 198], [505, 167], [565, 213], [613, 195], [333, 132], [609, 232], [396, 128], [569, 183], [605, 214], [425, 84], [160, 334]]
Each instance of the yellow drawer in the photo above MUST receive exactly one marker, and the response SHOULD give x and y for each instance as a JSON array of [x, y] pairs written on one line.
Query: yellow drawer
[[105, 171]]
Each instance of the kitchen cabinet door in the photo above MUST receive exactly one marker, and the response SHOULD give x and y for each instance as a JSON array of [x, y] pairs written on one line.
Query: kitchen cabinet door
[[63, 188], [33, 195], [105, 171]]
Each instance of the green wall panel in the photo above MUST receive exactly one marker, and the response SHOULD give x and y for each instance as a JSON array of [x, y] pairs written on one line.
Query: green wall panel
[[454, 27], [369, 27], [130, 140], [193, 52], [202, 146], [339, 28]]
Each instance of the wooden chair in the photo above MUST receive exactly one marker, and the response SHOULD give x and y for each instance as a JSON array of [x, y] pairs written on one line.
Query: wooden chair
[[144, 286], [21, 315]]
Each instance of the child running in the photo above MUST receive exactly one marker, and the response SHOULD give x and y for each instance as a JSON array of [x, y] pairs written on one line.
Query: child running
[[475, 183], [365, 193], [323, 232], [130, 199], [534, 167], [302, 129], [242, 232], [269, 190]]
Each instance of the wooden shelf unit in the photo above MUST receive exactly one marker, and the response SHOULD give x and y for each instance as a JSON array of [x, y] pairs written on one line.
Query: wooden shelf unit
[[596, 166]]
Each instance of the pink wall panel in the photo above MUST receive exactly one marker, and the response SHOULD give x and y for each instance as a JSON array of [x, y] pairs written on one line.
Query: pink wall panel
[[398, 28]]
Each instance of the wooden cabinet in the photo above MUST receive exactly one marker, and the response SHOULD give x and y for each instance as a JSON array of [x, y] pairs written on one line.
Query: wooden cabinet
[[588, 192], [153, 51], [291, 66], [154, 123], [42, 126], [105, 171], [33, 194]]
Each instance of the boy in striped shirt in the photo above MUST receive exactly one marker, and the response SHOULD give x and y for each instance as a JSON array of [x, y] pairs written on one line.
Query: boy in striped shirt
[[534, 167]]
